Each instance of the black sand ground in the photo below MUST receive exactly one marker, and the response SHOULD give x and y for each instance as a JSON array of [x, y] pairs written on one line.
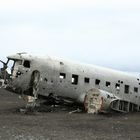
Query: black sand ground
[[61, 125]]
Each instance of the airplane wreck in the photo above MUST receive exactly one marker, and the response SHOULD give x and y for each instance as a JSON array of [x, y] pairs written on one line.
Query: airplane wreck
[[96, 89]]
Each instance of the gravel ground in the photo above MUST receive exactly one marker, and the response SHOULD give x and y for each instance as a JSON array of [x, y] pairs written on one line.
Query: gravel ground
[[60, 125]]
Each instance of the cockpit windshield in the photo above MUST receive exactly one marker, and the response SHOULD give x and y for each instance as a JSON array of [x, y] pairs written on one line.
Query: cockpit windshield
[[10, 66], [13, 66]]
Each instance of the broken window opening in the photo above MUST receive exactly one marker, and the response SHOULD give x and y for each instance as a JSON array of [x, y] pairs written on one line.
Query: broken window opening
[[108, 84], [10, 66], [62, 76], [13, 67], [26, 64], [45, 79], [97, 82], [126, 89], [117, 86], [74, 79], [61, 63], [87, 80], [136, 89]]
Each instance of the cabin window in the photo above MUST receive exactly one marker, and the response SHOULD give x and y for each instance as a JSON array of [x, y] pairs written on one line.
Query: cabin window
[[136, 89], [26, 64], [62, 76], [97, 82], [117, 86], [87, 80], [61, 63], [74, 79], [108, 84], [126, 89], [45, 79]]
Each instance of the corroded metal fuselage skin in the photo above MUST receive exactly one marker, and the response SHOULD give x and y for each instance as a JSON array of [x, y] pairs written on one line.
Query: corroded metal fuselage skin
[[71, 80]]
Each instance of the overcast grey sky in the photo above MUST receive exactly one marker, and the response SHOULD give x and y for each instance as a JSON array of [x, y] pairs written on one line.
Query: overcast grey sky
[[101, 32]]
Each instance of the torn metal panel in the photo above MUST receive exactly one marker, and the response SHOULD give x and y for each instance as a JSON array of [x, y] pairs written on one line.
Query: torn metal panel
[[97, 101], [124, 106]]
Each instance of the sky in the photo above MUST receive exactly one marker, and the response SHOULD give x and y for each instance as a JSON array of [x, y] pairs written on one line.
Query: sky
[[100, 32]]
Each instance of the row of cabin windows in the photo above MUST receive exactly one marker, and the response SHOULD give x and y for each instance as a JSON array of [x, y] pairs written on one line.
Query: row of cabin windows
[[117, 86], [97, 82], [74, 79]]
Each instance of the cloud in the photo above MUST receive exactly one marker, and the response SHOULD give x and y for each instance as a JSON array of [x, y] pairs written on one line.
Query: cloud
[[93, 31], [37, 6]]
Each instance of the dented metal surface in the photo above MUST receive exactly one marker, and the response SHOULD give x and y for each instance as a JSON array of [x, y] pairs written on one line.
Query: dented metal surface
[[97, 89], [97, 101]]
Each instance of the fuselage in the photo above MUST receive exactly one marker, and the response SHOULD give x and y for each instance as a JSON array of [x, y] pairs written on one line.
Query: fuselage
[[72, 80]]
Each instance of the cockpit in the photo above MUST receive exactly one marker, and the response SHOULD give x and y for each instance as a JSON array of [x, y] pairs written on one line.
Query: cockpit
[[12, 68]]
